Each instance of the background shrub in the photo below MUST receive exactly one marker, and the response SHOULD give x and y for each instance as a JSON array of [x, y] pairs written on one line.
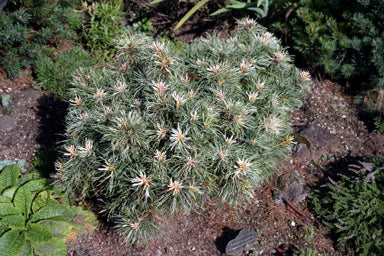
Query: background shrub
[[352, 208], [163, 126], [342, 39], [54, 73], [28, 26]]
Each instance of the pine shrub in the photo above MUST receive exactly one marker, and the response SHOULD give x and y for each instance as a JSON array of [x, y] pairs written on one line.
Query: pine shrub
[[165, 126], [353, 208]]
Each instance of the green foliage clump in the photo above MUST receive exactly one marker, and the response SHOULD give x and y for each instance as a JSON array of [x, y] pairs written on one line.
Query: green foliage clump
[[342, 39], [32, 221], [353, 208], [54, 73], [164, 126], [103, 25], [25, 31]]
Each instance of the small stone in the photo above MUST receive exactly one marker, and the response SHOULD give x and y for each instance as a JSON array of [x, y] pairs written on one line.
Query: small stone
[[236, 246], [301, 151], [289, 187]]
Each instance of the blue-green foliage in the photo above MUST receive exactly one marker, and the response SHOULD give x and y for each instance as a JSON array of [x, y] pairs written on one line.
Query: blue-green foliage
[[26, 31]]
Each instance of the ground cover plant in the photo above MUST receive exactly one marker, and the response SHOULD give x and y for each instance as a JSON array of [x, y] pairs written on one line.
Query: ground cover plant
[[54, 74], [32, 220], [353, 208], [167, 126]]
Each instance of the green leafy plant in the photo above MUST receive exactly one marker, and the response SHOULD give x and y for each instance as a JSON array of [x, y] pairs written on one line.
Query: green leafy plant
[[144, 25], [352, 208], [103, 25], [32, 221], [5, 100], [166, 125], [258, 7]]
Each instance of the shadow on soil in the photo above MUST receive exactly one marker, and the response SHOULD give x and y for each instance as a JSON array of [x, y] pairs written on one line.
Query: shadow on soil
[[51, 112], [227, 235]]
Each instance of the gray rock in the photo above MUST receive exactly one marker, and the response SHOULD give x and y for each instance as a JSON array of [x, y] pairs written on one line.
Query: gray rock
[[289, 187], [236, 246]]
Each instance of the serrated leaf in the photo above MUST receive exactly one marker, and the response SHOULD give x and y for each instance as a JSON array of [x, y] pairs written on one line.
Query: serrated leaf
[[42, 199], [55, 247], [14, 221], [89, 218], [50, 211], [8, 209], [27, 177], [9, 176], [59, 228], [8, 194], [36, 185], [12, 243], [27, 251], [23, 200], [38, 234], [3, 229]]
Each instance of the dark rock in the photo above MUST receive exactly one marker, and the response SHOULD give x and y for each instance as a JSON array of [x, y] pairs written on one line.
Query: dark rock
[[236, 246], [289, 187], [313, 142]]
